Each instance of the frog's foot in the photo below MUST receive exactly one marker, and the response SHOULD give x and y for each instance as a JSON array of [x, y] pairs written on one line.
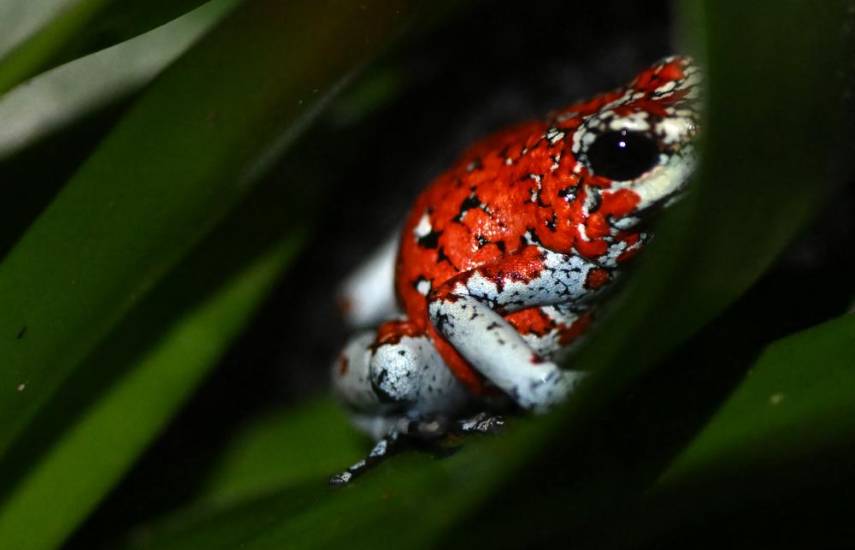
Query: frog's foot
[[381, 450], [481, 423], [400, 433]]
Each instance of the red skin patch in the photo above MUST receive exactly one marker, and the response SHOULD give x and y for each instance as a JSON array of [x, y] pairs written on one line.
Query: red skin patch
[[514, 182]]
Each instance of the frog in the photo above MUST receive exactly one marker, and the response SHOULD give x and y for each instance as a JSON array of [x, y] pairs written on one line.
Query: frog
[[504, 259]]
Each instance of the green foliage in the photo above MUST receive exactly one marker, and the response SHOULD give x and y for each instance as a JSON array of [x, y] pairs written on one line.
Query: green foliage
[[128, 280]]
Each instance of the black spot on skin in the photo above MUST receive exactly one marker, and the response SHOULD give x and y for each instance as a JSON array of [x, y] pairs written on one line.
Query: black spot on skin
[[596, 201], [532, 235], [382, 395], [431, 240], [441, 321], [472, 201], [552, 222], [501, 246], [494, 325], [567, 193], [402, 353]]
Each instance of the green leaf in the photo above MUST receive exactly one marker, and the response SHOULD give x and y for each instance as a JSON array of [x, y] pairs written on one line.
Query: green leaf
[[264, 454], [410, 501], [81, 27], [795, 401], [58, 97], [783, 436], [751, 195], [174, 166], [91, 455]]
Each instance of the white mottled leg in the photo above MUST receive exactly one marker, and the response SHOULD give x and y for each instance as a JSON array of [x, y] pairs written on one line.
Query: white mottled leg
[[368, 294], [381, 450], [405, 375], [411, 372], [351, 376], [468, 311], [498, 351]]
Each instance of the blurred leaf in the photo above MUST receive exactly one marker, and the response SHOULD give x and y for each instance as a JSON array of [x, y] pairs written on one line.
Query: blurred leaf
[[266, 225], [794, 402], [177, 162], [264, 456], [787, 432], [57, 97], [83, 26], [91, 455], [408, 502], [751, 195], [20, 18]]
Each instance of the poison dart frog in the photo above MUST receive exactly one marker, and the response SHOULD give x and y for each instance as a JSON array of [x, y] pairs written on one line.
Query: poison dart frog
[[503, 258]]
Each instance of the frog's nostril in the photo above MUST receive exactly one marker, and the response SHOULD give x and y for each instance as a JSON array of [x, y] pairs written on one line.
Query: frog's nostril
[[623, 154]]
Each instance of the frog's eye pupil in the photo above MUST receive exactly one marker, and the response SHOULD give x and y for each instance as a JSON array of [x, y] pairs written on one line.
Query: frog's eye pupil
[[622, 154]]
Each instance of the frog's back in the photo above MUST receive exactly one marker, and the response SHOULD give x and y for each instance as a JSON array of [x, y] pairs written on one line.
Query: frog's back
[[473, 214]]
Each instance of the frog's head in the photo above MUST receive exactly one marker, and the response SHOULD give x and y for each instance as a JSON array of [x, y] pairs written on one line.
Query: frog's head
[[641, 137]]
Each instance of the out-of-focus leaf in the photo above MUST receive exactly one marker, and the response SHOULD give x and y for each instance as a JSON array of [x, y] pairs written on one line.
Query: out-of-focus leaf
[[20, 18], [787, 430], [409, 502], [82, 26], [795, 401], [264, 456], [177, 162], [751, 195], [57, 97], [60, 489]]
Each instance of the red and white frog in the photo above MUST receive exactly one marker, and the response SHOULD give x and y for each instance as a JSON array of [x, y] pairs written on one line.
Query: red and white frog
[[502, 259]]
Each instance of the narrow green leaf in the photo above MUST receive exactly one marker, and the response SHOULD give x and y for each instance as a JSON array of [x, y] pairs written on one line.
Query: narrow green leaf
[[282, 449], [409, 502], [752, 194], [94, 453], [787, 430], [58, 97], [81, 27], [797, 400], [177, 162]]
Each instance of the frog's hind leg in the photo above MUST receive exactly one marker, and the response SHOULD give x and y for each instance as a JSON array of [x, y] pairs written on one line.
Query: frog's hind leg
[[396, 371], [397, 387]]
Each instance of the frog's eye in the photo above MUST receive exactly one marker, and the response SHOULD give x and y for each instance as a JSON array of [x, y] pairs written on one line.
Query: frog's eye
[[622, 155]]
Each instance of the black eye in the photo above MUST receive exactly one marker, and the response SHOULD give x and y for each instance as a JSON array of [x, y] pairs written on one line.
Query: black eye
[[622, 155]]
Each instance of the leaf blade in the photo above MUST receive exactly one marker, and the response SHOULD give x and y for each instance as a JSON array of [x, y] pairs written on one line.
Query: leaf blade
[[184, 155]]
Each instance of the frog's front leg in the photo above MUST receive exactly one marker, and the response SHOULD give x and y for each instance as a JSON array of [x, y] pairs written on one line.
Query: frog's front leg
[[468, 311]]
